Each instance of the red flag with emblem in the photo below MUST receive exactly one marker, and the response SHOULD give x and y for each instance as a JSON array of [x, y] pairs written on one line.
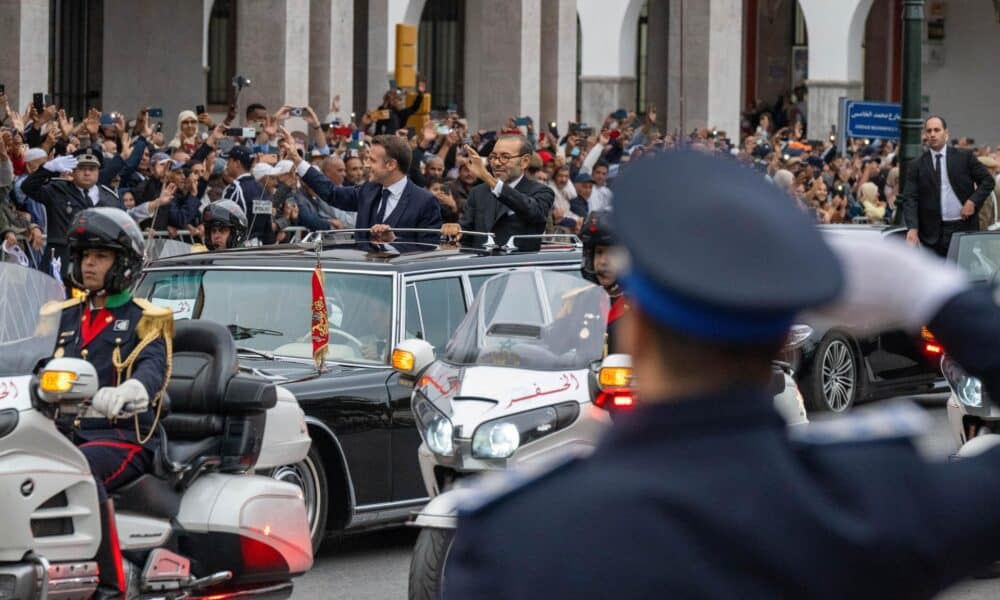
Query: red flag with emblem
[[320, 326]]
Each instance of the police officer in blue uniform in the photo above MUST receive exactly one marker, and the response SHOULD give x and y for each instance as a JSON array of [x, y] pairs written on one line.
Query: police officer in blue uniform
[[249, 195], [127, 340], [702, 492], [65, 198]]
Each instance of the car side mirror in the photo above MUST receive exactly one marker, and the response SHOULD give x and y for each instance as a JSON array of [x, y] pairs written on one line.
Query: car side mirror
[[411, 357], [63, 379]]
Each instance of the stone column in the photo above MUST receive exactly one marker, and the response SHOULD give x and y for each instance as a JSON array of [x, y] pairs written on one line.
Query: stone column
[[725, 66], [836, 32], [502, 64], [331, 55], [24, 27], [379, 53], [149, 64], [272, 43], [558, 60], [704, 81]]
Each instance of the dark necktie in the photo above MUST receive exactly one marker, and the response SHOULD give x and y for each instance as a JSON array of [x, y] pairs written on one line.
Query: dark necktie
[[380, 217], [937, 165]]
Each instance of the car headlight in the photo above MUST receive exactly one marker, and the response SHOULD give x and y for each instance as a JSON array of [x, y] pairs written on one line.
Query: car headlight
[[502, 437], [435, 428], [968, 389]]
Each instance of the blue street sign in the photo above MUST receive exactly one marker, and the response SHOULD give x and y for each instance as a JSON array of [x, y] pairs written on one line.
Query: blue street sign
[[877, 120]]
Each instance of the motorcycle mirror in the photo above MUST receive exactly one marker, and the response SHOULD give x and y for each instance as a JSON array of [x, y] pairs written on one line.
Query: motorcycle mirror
[[615, 372], [412, 356], [67, 379]]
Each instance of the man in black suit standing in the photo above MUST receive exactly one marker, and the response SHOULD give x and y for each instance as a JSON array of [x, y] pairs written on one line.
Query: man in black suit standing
[[507, 203], [389, 200], [945, 188]]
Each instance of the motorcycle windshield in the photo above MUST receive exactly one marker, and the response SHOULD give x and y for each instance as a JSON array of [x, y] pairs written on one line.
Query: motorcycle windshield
[[157, 248], [532, 319], [29, 317]]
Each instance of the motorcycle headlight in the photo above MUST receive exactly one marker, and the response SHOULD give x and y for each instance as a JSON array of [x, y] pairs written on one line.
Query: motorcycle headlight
[[502, 437], [435, 428], [968, 389]]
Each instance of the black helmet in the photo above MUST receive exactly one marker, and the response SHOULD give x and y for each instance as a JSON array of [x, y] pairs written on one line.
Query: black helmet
[[596, 230], [111, 229], [225, 213]]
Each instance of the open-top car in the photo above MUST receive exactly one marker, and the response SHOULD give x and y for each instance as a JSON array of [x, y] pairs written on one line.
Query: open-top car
[[362, 470]]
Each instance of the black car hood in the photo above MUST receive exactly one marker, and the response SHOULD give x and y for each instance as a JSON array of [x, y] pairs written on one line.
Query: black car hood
[[288, 371]]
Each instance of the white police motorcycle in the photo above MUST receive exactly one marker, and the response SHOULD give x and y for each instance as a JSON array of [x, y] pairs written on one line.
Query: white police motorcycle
[[523, 380], [198, 526]]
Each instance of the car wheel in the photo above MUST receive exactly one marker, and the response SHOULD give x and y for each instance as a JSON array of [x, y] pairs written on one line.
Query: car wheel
[[833, 381], [427, 567], [310, 477]]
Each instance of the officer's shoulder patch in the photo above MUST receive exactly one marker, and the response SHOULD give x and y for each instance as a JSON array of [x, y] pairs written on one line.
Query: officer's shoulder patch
[[55, 306], [151, 310], [895, 420], [493, 487]]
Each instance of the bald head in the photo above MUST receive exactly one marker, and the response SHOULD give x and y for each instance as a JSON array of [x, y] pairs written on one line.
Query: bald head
[[334, 169]]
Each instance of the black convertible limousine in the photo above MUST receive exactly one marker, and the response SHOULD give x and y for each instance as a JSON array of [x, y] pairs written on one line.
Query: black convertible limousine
[[362, 469]]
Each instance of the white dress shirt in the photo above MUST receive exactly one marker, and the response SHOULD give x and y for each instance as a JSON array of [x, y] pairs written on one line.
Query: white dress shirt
[[951, 206], [395, 194], [600, 199], [94, 193]]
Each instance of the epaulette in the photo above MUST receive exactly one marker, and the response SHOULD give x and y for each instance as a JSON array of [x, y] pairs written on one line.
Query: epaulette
[[55, 306], [895, 420], [151, 310], [154, 319], [494, 487]]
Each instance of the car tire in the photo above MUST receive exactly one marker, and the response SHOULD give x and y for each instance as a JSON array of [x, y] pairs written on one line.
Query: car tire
[[833, 382], [310, 477], [427, 564]]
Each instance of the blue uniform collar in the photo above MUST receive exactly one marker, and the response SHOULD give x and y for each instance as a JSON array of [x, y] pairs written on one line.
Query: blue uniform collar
[[727, 410]]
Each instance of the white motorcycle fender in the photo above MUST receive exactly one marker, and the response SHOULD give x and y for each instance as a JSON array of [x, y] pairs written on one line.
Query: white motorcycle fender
[[978, 445], [286, 437], [38, 463], [442, 511], [253, 506]]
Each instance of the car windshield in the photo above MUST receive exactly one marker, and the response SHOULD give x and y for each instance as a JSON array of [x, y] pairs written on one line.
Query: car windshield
[[532, 319], [978, 254], [272, 310]]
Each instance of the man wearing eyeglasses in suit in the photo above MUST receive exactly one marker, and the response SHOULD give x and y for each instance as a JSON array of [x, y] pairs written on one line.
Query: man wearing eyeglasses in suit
[[507, 203]]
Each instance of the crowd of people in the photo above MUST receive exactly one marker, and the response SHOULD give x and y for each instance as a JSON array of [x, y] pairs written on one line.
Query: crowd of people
[[165, 180]]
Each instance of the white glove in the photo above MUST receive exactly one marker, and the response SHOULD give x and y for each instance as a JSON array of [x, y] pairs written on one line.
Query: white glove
[[61, 164], [889, 285], [123, 401]]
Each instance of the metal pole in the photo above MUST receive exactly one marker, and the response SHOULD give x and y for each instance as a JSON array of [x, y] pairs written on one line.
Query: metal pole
[[911, 119]]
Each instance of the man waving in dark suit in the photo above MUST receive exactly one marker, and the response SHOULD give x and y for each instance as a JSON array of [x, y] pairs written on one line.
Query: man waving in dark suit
[[389, 200], [508, 203], [945, 188]]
